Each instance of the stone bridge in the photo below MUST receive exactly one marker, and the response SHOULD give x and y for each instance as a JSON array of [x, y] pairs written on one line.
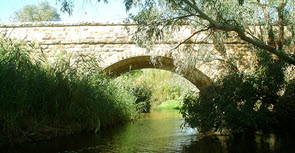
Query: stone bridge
[[119, 53]]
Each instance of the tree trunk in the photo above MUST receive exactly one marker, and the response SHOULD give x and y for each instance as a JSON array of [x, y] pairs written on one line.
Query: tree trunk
[[271, 36], [281, 24]]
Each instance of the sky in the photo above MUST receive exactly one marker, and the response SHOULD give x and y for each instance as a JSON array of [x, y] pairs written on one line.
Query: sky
[[114, 10]]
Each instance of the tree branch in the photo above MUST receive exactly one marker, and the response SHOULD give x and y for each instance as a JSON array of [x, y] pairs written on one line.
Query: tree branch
[[259, 4], [187, 39], [241, 33]]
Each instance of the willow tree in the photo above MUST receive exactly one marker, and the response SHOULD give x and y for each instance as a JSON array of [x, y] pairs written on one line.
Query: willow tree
[[222, 15], [156, 16]]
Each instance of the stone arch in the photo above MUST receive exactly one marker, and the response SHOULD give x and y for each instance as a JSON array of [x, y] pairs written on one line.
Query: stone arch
[[195, 76]]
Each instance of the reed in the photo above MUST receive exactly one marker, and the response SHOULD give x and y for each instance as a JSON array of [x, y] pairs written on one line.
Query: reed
[[40, 100], [153, 87]]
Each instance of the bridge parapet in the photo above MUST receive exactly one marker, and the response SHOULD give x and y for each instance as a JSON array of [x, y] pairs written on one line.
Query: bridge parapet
[[112, 42]]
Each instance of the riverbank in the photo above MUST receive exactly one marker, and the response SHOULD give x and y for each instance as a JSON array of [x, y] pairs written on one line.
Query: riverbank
[[40, 100]]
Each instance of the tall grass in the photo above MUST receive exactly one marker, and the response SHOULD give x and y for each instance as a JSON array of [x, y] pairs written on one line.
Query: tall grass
[[154, 86], [40, 100], [166, 85], [141, 92]]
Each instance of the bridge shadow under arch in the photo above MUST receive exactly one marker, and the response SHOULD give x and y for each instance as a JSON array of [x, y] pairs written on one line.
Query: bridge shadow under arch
[[195, 76]]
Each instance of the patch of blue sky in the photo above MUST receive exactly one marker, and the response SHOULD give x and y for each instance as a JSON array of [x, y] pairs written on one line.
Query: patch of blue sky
[[84, 10]]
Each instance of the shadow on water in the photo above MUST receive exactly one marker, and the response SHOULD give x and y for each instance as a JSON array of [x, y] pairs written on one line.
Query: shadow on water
[[160, 131], [267, 143]]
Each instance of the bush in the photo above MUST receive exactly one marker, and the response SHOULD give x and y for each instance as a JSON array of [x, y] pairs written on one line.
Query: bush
[[241, 102], [285, 109], [230, 104]]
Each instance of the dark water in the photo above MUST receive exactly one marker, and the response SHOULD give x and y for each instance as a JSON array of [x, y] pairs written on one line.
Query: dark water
[[160, 131]]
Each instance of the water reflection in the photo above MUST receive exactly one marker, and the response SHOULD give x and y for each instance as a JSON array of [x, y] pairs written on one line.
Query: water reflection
[[267, 143], [160, 131]]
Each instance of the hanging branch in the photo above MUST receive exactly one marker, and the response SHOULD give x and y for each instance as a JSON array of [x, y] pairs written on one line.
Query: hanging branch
[[187, 39], [241, 33]]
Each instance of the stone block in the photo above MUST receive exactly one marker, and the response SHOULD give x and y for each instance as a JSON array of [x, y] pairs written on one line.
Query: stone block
[[46, 37], [71, 46], [89, 37], [84, 46], [118, 49]]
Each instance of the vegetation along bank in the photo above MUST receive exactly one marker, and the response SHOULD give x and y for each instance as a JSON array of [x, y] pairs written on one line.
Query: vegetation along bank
[[41, 99]]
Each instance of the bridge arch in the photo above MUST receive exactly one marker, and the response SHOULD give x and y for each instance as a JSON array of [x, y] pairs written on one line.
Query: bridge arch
[[195, 76]]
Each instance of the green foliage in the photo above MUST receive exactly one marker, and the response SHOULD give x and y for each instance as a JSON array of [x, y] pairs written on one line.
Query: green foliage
[[157, 19], [270, 77], [170, 104], [39, 100], [151, 87], [165, 85], [243, 102], [143, 97], [33, 13], [241, 2], [285, 108], [141, 92], [66, 6], [229, 104]]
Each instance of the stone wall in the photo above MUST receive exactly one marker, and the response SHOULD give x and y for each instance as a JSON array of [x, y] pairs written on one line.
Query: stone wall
[[106, 38], [112, 42]]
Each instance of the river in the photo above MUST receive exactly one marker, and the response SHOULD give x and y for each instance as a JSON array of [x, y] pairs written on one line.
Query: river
[[160, 131]]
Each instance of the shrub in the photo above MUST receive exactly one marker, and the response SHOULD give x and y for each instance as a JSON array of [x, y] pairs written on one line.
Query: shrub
[[242, 102], [230, 104], [285, 109]]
